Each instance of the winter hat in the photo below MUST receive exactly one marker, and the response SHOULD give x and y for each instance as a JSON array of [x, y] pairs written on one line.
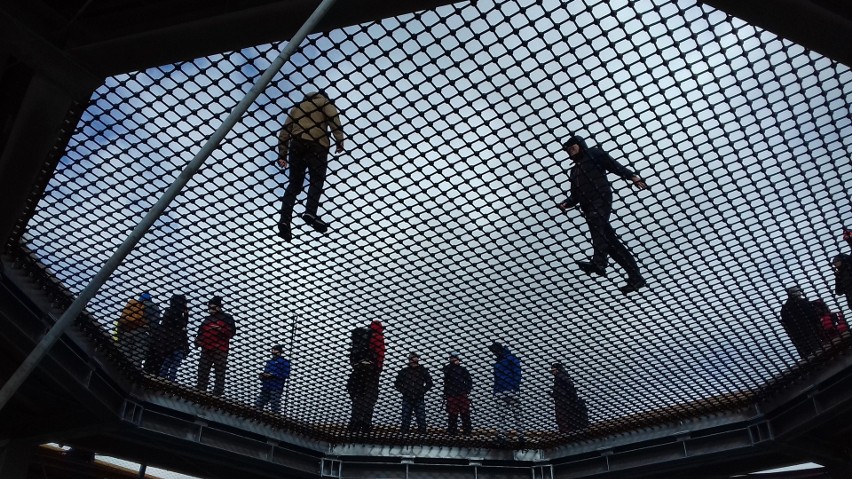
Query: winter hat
[[573, 140], [795, 291], [215, 301], [557, 366], [144, 296], [454, 355], [178, 301]]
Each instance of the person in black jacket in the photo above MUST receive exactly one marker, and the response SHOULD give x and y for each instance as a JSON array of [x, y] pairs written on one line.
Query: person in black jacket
[[413, 382], [457, 386], [801, 320], [571, 411], [590, 189], [171, 342], [363, 389]]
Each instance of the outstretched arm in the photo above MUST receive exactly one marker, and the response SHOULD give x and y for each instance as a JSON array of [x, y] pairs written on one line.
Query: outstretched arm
[[615, 167], [639, 182]]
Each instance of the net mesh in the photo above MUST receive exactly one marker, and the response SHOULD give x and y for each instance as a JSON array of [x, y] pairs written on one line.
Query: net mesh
[[443, 218]]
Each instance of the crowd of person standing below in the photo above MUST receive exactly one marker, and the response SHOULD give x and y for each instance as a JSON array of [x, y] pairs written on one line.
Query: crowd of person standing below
[[158, 344]]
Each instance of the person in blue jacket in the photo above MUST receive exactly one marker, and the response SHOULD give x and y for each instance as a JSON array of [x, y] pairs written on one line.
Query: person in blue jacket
[[590, 189], [507, 391], [274, 376]]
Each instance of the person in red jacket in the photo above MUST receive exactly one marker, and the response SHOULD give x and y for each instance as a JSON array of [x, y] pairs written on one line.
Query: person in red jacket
[[214, 338], [377, 343]]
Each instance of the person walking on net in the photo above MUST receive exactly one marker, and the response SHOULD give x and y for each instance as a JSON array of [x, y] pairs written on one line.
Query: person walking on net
[[303, 144], [590, 189]]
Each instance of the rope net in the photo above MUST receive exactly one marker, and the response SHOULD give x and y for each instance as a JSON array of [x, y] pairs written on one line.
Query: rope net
[[443, 221]]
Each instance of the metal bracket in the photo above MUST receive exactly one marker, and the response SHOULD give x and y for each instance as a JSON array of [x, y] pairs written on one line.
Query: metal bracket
[[331, 468]]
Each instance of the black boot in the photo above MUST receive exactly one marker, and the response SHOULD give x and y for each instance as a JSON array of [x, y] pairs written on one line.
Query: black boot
[[315, 222], [591, 268], [633, 284], [284, 231]]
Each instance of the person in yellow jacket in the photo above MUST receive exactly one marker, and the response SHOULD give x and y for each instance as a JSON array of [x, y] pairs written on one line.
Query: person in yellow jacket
[[303, 145]]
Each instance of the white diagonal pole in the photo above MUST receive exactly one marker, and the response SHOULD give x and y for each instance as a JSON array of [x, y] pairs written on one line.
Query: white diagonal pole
[[67, 319]]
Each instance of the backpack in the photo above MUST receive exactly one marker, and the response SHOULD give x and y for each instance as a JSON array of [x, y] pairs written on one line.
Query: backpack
[[359, 348], [132, 316]]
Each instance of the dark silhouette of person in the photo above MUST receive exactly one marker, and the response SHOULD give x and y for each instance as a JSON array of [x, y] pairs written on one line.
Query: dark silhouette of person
[[274, 377], [367, 358], [571, 411], [591, 190], [413, 381], [170, 342], [214, 339], [507, 392], [457, 386], [842, 265], [363, 389], [137, 320], [801, 320], [304, 142], [833, 323]]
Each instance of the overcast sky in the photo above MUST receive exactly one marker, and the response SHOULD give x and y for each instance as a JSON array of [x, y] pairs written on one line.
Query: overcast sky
[[442, 209]]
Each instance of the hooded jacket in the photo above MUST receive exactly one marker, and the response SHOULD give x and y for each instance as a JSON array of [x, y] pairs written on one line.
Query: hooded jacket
[[588, 180], [507, 370], [172, 335]]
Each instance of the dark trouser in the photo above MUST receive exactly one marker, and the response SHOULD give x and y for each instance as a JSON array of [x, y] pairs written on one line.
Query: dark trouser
[[570, 416], [363, 402], [458, 406], [171, 365], [304, 156], [271, 397], [418, 407], [218, 360], [604, 239], [154, 360], [805, 336]]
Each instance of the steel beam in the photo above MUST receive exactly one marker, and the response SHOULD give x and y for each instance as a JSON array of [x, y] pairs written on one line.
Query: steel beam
[[807, 22]]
